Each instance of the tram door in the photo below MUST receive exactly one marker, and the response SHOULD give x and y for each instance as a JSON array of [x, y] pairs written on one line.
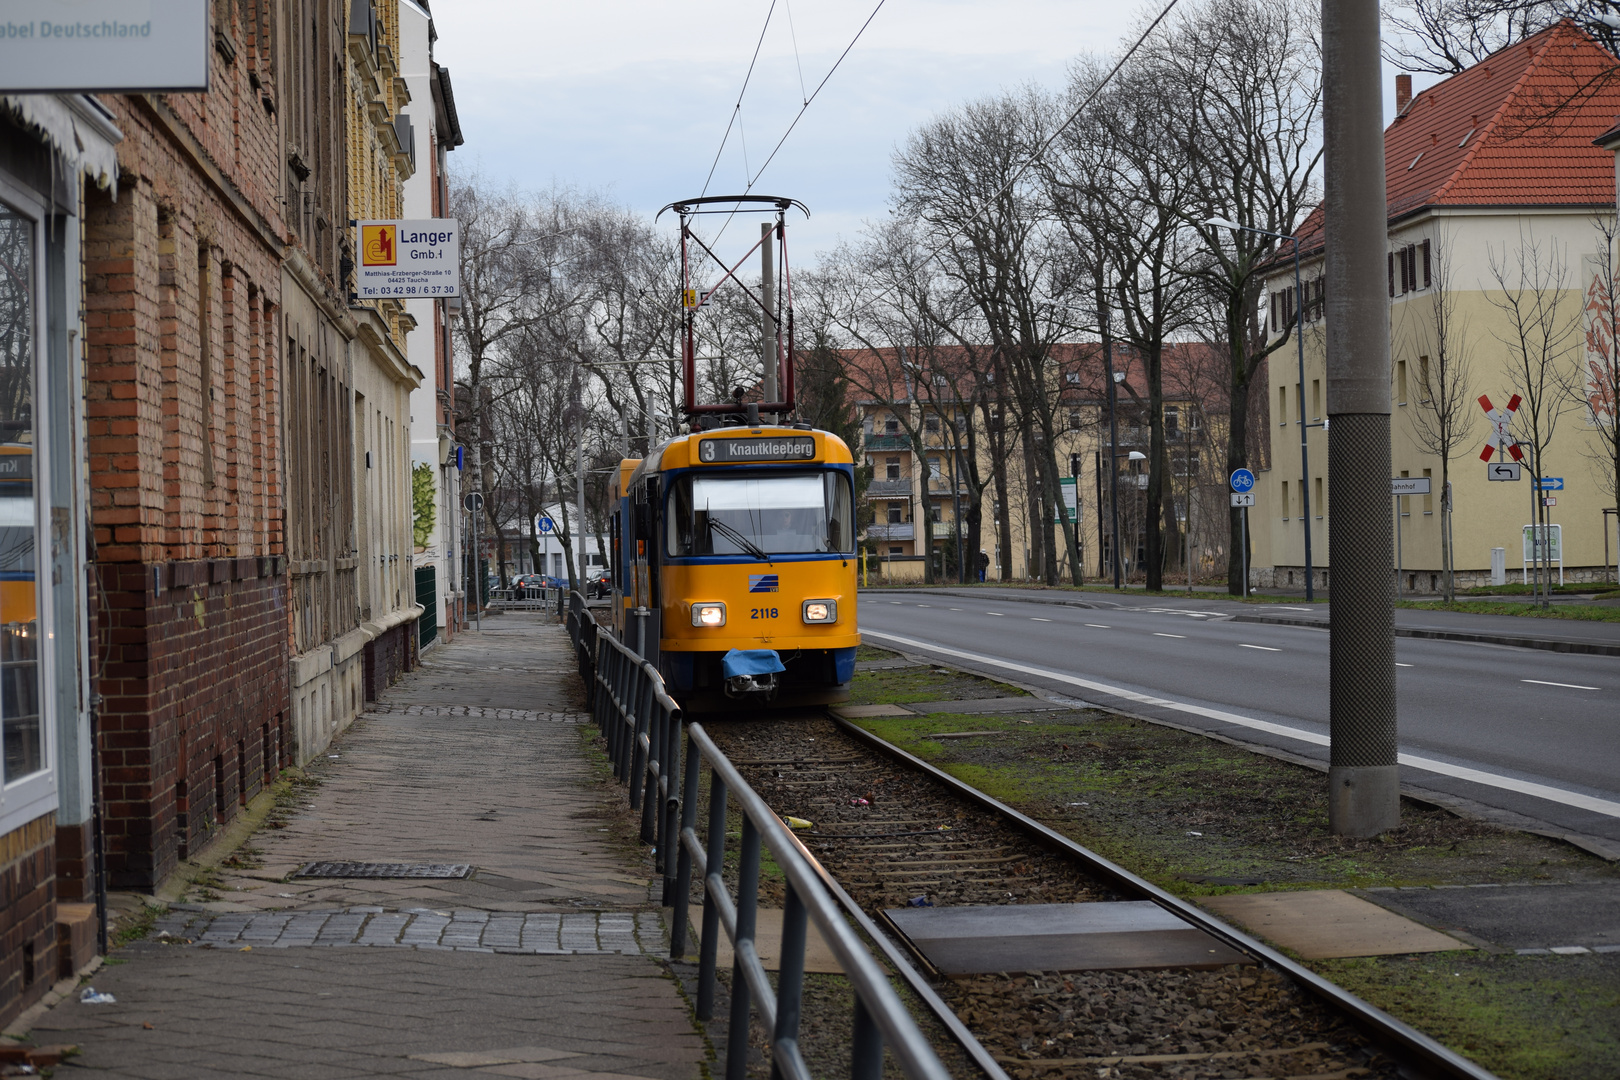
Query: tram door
[[642, 625]]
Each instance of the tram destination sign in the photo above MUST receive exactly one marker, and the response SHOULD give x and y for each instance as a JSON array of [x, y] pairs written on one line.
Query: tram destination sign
[[111, 46], [768, 448]]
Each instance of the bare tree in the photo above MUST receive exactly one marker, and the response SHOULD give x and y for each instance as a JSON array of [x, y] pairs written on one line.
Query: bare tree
[[1601, 370], [961, 176], [1446, 36], [1445, 415], [1540, 339]]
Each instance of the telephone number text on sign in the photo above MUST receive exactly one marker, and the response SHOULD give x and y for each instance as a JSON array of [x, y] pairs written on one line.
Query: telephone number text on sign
[[408, 258]]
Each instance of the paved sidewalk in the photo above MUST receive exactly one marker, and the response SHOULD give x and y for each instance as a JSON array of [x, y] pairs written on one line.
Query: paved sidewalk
[[543, 962]]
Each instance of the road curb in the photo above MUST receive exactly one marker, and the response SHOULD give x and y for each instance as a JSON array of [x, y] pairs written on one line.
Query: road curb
[[1591, 648]]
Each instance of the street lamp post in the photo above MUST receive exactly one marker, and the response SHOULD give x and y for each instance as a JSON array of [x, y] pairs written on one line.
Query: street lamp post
[[1299, 399], [1114, 378], [1133, 457]]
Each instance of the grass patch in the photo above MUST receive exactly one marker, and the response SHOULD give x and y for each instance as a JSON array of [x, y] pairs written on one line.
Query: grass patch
[[898, 686], [1036, 586], [1524, 1017], [1583, 612], [1602, 589], [134, 926]]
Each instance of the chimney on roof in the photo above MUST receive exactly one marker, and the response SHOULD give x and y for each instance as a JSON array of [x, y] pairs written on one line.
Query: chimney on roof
[[1403, 93]]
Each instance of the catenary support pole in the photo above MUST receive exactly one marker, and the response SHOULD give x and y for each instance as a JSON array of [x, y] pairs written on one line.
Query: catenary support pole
[[1113, 445], [1304, 427], [767, 297], [1363, 776]]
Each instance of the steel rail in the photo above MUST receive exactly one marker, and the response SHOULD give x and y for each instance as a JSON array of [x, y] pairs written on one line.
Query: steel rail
[[1386, 1029]]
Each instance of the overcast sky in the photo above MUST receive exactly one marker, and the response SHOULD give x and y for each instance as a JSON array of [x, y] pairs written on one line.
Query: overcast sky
[[632, 97]]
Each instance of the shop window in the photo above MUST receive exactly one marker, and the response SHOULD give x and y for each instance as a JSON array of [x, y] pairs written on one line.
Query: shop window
[[22, 729]]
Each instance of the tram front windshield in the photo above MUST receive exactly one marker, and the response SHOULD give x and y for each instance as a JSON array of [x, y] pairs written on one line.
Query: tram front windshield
[[747, 515]]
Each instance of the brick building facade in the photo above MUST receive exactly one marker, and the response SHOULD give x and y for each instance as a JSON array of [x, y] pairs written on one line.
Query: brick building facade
[[184, 404]]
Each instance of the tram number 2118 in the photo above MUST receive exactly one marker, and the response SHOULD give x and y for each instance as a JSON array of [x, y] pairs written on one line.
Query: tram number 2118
[[764, 613]]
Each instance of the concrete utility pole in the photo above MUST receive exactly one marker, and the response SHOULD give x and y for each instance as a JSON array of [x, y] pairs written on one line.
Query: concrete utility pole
[[767, 296], [1363, 776]]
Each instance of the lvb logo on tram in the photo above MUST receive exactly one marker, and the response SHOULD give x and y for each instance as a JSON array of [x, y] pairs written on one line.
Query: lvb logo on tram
[[379, 245]]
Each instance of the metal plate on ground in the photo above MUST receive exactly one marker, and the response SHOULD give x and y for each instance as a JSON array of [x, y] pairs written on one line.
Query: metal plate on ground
[[1058, 937], [383, 870], [1320, 924]]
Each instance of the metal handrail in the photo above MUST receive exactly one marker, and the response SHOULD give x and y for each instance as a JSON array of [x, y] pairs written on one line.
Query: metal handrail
[[643, 728]]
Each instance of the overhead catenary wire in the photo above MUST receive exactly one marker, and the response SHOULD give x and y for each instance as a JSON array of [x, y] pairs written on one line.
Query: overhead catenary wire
[[737, 109], [1041, 150]]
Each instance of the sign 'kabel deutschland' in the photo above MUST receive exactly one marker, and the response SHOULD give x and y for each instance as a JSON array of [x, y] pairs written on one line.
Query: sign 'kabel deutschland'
[[409, 259]]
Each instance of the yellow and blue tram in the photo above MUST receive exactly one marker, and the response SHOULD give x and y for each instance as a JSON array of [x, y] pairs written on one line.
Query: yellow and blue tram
[[734, 566]]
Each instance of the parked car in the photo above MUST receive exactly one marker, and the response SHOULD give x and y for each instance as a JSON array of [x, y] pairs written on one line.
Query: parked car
[[599, 583]]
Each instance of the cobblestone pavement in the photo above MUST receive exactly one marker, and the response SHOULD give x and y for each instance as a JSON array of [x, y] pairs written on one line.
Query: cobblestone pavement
[[560, 934], [542, 963]]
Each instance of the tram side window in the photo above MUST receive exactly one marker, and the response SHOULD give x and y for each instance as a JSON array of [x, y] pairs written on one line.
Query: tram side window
[[781, 514]]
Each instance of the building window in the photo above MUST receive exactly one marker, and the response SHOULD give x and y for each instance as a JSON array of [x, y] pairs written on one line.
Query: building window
[[894, 513], [1172, 422], [934, 472], [891, 426], [22, 728], [1400, 382], [891, 468], [1072, 378], [1285, 500], [1316, 399], [1321, 503], [1282, 406], [1074, 419], [931, 425], [896, 549]]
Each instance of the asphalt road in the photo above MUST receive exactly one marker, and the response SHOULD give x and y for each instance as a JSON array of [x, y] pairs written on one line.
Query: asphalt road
[[1525, 731]]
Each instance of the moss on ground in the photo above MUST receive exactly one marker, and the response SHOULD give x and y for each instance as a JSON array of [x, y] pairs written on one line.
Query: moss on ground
[[1524, 1017], [900, 686]]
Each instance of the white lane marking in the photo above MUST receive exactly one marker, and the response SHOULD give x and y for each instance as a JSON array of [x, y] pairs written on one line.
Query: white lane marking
[[1266, 648], [1037, 618], [997, 614], [925, 605], [1575, 799], [1565, 685], [896, 603], [1099, 626], [1399, 664], [1285, 607], [1157, 634], [956, 609]]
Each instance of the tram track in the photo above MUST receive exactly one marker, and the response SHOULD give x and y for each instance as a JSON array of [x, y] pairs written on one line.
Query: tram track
[[892, 831]]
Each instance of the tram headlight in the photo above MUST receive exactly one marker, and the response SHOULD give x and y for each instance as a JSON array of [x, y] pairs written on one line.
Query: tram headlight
[[709, 614], [820, 611]]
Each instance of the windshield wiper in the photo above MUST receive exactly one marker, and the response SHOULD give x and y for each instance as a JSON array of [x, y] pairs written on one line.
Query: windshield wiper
[[716, 525]]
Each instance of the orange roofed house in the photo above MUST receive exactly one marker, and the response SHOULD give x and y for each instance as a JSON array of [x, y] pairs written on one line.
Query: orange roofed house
[[1498, 197]]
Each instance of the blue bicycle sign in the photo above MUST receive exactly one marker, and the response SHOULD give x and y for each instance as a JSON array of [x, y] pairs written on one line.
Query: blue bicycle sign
[[1242, 480]]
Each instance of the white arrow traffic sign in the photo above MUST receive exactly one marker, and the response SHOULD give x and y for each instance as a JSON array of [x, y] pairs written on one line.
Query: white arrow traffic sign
[[1242, 498], [1550, 483], [1502, 470]]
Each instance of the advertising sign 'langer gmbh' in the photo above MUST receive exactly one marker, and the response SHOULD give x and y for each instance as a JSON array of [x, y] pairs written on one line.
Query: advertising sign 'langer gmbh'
[[408, 259]]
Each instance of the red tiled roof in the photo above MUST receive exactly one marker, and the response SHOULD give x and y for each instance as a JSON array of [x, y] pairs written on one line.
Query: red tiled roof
[[1516, 129]]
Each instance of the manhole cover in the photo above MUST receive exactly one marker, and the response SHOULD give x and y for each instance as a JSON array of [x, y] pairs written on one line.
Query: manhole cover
[[384, 870]]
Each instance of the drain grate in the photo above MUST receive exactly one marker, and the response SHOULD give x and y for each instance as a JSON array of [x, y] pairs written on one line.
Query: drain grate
[[383, 870]]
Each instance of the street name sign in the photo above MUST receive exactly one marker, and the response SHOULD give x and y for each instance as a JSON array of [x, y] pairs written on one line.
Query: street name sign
[[409, 259], [1502, 470], [1550, 483], [1409, 485], [1242, 480], [1242, 498], [103, 46]]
